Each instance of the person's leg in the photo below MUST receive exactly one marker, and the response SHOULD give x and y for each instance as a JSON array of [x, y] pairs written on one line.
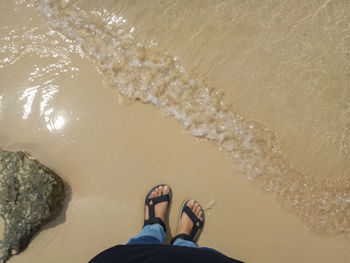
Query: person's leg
[[184, 243], [153, 233], [186, 225], [150, 234]]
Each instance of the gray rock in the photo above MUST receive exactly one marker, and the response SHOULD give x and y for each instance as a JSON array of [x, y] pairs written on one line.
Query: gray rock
[[31, 195]]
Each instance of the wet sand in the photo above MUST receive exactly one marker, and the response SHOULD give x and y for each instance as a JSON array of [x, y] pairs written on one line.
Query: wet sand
[[112, 153]]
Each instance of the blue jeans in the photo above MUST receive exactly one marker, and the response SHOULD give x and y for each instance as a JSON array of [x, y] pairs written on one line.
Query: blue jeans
[[154, 234]]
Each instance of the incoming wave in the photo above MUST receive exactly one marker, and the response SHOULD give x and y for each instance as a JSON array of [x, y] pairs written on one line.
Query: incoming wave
[[143, 72]]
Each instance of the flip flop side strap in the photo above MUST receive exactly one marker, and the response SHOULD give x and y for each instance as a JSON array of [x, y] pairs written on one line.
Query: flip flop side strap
[[155, 220], [183, 236]]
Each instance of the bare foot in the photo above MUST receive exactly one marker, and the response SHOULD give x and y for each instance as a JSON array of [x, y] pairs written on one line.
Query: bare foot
[[160, 209], [185, 226]]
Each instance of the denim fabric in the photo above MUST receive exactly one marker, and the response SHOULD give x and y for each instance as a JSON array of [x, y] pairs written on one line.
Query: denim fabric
[[184, 243], [150, 234], [154, 234]]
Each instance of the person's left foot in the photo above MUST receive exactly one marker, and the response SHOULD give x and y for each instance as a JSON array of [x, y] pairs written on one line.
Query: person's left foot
[[160, 209], [185, 226]]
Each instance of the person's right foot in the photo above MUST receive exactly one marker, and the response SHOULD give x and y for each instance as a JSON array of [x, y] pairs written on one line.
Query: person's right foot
[[185, 226], [160, 209]]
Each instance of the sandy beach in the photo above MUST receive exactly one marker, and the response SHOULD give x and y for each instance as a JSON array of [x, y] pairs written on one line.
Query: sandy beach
[[111, 153]]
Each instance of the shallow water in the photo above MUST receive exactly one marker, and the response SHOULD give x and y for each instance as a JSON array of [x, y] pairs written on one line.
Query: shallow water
[[283, 65]]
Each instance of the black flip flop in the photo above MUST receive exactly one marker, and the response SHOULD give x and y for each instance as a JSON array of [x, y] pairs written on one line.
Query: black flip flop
[[156, 200], [196, 230]]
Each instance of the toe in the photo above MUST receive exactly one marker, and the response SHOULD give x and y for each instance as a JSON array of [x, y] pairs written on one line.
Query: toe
[[161, 188], [166, 190], [200, 215], [195, 207], [190, 204], [198, 209]]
